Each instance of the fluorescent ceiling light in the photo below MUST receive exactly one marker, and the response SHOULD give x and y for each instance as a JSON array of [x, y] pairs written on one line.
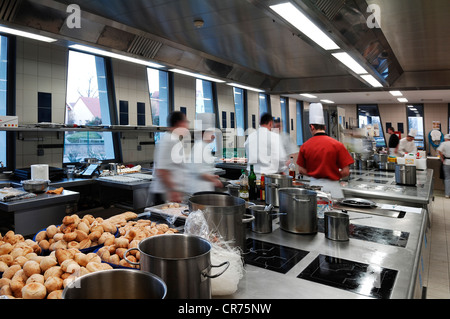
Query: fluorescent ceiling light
[[348, 61], [26, 34], [413, 109], [371, 80], [295, 17], [196, 75], [245, 87], [410, 106], [402, 100], [309, 96], [396, 93], [327, 101], [114, 55]]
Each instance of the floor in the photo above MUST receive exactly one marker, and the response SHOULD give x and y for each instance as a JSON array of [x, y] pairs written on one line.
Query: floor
[[439, 271]]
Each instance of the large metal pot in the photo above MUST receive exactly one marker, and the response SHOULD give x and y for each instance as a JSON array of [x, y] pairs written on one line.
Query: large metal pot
[[182, 261], [298, 210], [116, 284], [405, 174], [386, 166], [273, 183], [225, 216]]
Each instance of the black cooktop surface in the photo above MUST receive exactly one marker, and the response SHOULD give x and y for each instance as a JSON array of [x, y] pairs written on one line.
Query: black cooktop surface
[[368, 280], [272, 256]]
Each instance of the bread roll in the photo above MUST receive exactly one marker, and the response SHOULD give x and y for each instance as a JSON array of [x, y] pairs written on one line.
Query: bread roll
[[70, 236], [86, 243], [56, 294], [67, 220], [11, 271], [31, 267], [109, 227], [94, 266], [53, 271], [6, 291], [21, 260], [58, 236], [51, 231], [53, 283], [36, 278], [4, 281], [5, 248], [93, 257], [3, 266], [7, 259], [81, 259], [70, 266], [121, 242], [44, 244], [16, 285], [34, 290], [81, 235], [47, 262], [62, 254], [60, 244], [73, 244], [114, 259]]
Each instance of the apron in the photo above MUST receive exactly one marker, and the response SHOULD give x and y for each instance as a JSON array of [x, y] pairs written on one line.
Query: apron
[[329, 186]]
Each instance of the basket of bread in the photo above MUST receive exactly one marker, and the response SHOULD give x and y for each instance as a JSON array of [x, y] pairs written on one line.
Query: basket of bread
[[130, 234], [29, 275]]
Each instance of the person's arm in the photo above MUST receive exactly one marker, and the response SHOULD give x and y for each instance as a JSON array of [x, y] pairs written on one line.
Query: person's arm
[[345, 171], [302, 171]]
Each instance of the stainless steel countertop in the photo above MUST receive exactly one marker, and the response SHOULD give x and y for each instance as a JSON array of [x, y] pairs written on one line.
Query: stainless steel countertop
[[261, 283]]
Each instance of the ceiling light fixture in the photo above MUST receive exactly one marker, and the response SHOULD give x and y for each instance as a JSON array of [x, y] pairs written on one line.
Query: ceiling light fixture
[[295, 17], [371, 80], [327, 101], [196, 75], [26, 34], [114, 55], [348, 61], [396, 93], [310, 96], [402, 100], [245, 87]]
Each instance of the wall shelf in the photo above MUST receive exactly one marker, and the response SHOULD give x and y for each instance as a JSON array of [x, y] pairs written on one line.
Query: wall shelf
[[113, 128]]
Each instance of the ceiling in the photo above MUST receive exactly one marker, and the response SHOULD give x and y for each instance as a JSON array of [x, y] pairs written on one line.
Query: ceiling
[[244, 41]]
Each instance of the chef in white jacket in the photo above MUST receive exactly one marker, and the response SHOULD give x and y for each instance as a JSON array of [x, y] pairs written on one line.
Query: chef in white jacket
[[407, 144], [202, 167]]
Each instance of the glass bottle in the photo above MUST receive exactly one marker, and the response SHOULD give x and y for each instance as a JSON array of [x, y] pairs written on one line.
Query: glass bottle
[[292, 169], [243, 186], [252, 184], [262, 192]]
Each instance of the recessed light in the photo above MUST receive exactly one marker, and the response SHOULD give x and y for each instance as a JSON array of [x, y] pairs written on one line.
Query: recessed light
[[309, 96], [327, 101], [349, 62], [396, 93], [371, 80], [402, 100]]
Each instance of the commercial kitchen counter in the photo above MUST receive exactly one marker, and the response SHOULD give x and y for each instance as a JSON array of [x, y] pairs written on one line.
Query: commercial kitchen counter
[[384, 252]]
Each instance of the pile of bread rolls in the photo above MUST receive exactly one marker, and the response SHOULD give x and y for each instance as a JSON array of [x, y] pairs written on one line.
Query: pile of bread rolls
[[130, 235], [28, 275], [77, 233]]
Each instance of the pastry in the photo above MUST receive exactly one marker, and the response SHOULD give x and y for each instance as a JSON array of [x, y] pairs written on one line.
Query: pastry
[[34, 290]]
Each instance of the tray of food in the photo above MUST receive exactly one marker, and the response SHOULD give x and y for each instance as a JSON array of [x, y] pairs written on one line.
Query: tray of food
[[169, 210]]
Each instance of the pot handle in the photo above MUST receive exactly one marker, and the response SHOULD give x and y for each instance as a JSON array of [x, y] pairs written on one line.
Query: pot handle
[[205, 272], [248, 220], [301, 200], [128, 261], [273, 185]]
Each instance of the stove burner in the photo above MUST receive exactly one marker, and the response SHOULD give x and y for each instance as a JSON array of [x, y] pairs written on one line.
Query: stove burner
[[368, 280], [272, 256]]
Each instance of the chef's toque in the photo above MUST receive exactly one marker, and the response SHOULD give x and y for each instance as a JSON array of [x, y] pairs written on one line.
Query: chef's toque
[[316, 114]]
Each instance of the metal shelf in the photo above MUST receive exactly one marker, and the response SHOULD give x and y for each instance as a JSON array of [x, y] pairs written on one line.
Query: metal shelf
[[115, 128]]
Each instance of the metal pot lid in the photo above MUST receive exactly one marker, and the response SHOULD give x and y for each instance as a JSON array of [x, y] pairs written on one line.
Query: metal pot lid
[[357, 202]]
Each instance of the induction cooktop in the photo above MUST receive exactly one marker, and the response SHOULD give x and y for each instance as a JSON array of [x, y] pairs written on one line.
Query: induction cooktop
[[272, 256], [368, 280]]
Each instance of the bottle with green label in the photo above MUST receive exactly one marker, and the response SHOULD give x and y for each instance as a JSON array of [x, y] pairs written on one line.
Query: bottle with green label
[[252, 184]]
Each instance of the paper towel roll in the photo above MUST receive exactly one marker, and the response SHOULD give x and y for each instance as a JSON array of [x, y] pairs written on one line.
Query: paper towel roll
[[39, 171]]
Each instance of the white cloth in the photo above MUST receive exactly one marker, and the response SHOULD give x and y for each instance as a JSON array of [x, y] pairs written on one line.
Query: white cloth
[[444, 148], [328, 186], [169, 155], [406, 146], [265, 151], [316, 114], [202, 162]]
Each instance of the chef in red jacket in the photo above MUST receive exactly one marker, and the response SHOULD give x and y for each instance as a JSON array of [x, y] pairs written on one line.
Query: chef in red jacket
[[324, 159]]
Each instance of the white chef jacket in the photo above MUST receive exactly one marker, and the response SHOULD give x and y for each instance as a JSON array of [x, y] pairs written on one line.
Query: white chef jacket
[[444, 148], [406, 147], [169, 155], [265, 152], [202, 162]]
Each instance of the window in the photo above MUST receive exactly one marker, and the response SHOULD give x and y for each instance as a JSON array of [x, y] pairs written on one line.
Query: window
[[284, 114], [240, 110], [299, 123], [415, 122], [158, 87], [140, 114], [6, 108], [204, 100], [264, 104], [369, 116], [88, 104]]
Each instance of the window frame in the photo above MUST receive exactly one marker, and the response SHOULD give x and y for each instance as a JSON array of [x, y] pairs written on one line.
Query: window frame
[[285, 119], [422, 106], [215, 104], [244, 111], [112, 106], [358, 106], [267, 99]]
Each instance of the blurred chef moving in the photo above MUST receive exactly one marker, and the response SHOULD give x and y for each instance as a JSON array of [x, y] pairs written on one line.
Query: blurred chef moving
[[169, 162], [407, 144], [264, 150], [290, 148], [444, 152], [324, 159], [202, 160], [393, 142]]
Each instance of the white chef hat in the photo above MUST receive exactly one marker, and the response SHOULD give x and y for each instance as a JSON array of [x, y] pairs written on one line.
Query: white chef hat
[[316, 114], [447, 137], [412, 133], [205, 121]]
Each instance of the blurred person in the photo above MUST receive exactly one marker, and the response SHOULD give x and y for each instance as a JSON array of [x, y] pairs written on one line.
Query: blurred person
[[407, 144], [290, 148], [444, 152], [393, 143]]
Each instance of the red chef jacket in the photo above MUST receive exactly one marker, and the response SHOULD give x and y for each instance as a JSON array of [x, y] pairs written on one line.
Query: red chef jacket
[[323, 156]]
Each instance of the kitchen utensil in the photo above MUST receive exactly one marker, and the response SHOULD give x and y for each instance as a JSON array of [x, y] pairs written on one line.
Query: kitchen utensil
[[182, 261], [298, 208], [272, 184], [357, 202], [262, 224], [336, 225], [116, 284], [226, 216], [405, 175], [35, 185], [233, 190]]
